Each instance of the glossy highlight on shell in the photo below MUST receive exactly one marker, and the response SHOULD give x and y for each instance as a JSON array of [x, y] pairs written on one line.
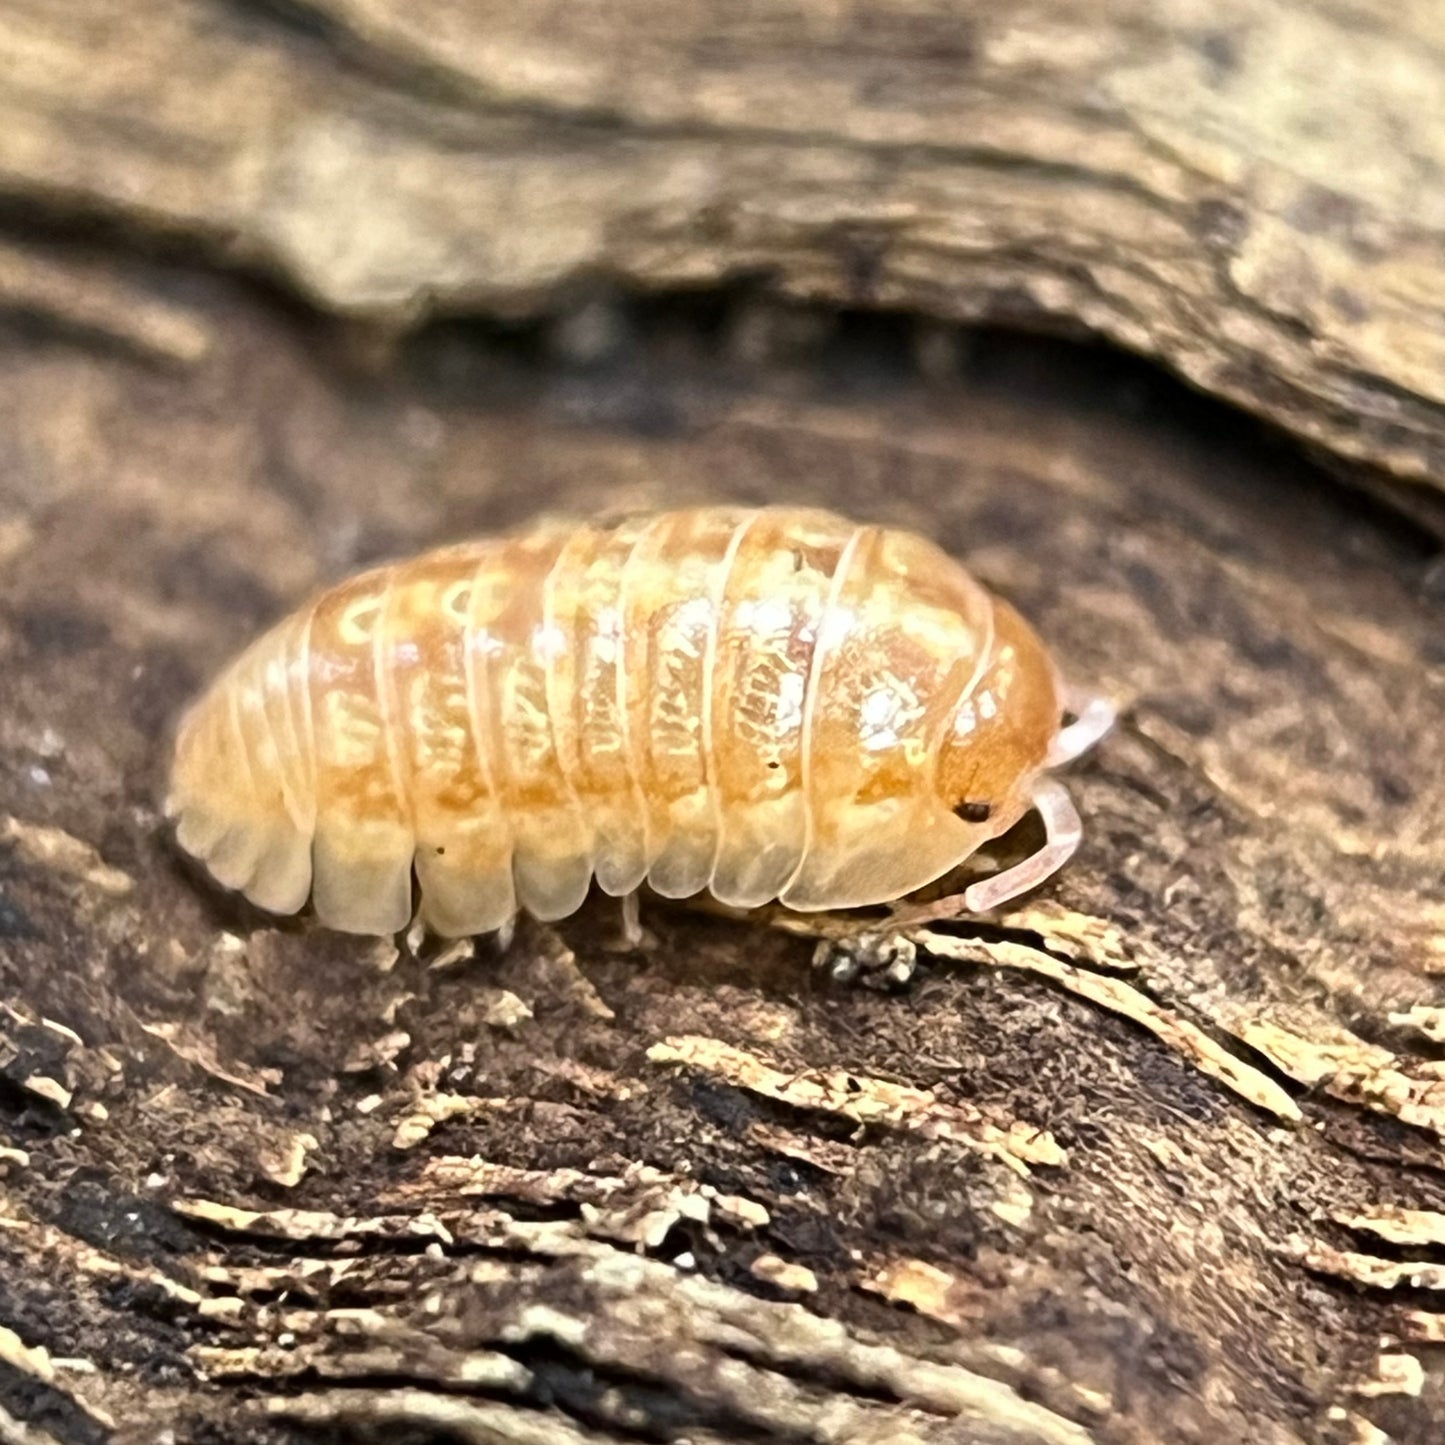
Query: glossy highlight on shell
[[770, 703]]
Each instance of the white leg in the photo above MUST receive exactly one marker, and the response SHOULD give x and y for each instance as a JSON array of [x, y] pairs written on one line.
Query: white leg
[[1062, 832], [1093, 717], [631, 920]]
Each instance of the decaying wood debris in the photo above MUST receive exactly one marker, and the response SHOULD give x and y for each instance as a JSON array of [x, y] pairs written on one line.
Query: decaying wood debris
[[1158, 1155]]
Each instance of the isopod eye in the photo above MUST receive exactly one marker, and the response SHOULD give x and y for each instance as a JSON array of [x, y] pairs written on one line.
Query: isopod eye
[[974, 812]]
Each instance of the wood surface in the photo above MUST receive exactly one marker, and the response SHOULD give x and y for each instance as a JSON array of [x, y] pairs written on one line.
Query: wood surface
[[1250, 191], [1157, 1155]]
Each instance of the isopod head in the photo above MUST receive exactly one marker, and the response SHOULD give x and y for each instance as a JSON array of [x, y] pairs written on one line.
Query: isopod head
[[1001, 730], [993, 711]]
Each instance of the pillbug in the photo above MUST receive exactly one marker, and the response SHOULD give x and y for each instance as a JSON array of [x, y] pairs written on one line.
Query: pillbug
[[769, 703]]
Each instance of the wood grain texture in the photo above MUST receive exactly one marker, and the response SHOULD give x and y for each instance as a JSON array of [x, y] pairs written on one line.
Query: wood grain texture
[[1158, 1159], [1250, 192]]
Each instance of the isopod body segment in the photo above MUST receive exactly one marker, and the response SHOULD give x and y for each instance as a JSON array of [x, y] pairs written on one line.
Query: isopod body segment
[[770, 703]]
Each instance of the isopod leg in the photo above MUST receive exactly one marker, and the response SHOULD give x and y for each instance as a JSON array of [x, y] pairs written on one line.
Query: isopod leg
[[1093, 717], [631, 920], [631, 938], [1062, 832]]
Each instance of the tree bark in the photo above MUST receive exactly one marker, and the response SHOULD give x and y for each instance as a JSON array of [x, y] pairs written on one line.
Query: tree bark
[[1252, 192], [1155, 1156]]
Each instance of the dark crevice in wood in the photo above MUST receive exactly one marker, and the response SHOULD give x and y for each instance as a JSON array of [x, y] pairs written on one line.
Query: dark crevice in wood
[[47, 1407]]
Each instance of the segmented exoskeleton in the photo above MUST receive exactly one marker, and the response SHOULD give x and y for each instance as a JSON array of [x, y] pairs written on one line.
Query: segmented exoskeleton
[[761, 703]]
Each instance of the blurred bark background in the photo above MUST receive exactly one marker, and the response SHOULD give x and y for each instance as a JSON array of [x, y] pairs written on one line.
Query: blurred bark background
[[286, 288]]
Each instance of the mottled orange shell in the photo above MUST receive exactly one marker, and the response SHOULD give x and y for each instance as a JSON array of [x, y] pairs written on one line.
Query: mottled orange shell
[[761, 703]]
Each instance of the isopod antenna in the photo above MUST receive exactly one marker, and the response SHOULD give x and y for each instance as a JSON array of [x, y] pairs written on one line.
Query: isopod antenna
[[1062, 832], [1093, 717]]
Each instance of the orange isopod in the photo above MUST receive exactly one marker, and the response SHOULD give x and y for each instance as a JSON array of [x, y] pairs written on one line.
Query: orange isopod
[[768, 703]]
